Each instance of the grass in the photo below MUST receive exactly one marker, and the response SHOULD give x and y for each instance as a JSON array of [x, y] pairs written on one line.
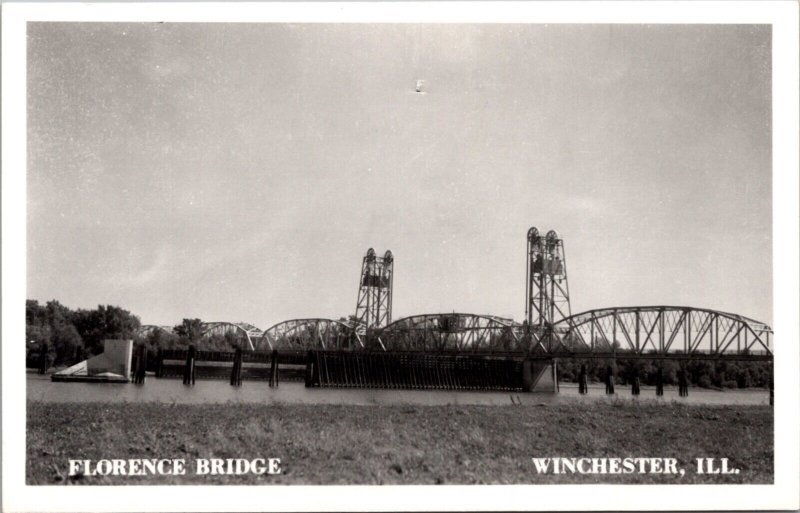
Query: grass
[[325, 444]]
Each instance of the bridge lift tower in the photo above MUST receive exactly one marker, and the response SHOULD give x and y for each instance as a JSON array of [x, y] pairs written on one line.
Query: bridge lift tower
[[374, 307], [547, 289]]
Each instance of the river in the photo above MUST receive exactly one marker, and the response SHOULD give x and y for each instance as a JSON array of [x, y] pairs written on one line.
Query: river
[[41, 388]]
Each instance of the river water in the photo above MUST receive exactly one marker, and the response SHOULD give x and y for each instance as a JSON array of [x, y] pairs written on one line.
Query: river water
[[41, 388]]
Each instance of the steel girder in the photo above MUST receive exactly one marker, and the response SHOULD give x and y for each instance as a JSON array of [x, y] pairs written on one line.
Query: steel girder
[[643, 330], [238, 329], [452, 332], [305, 334]]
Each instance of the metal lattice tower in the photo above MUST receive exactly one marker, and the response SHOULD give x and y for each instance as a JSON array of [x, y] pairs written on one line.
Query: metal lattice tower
[[547, 287], [374, 307]]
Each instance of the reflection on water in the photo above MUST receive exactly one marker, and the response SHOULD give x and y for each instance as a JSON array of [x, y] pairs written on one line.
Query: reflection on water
[[40, 388]]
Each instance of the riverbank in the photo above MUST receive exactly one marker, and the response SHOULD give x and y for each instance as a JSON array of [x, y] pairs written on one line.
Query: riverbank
[[402, 444]]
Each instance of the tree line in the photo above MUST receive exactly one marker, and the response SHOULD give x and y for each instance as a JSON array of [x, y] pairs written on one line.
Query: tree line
[[70, 336], [702, 373]]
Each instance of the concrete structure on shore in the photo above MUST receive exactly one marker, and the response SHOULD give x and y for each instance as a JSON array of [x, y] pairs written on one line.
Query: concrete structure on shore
[[113, 365]]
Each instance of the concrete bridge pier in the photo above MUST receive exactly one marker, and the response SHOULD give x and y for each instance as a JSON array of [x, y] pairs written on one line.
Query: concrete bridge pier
[[540, 376]]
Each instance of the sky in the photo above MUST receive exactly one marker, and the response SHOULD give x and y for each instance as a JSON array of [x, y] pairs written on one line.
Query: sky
[[239, 172]]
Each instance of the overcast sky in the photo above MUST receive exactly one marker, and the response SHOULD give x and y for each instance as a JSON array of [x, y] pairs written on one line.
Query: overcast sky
[[239, 172]]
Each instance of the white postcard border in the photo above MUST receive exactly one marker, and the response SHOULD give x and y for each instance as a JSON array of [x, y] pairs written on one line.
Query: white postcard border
[[782, 494]]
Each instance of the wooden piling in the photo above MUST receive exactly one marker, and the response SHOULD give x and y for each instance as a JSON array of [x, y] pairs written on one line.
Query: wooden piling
[[400, 370], [317, 376], [583, 387], [159, 363], [609, 380], [660, 382], [134, 365], [309, 369], [140, 367], [240, 357], [236, 369], [144, 365], [683, 385], [324, 372], [273, 375], [134, 372], [188, 369]]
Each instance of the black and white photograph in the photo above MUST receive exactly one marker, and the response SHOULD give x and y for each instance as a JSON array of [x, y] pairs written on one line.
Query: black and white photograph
[[273, 254]]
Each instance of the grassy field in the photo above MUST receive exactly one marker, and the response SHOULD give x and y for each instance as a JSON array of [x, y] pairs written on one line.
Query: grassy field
[[399, 444]]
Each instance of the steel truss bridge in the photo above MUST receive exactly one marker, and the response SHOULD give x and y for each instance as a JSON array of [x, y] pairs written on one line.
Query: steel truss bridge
[[638, 331], [247, 333], [630, 332], [451, 332], [239, 330], [305, 334], [648, 331], [550, 329]]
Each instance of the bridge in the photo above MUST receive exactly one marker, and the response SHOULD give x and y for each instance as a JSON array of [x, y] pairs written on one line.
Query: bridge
[[448, 347], [549, 328]]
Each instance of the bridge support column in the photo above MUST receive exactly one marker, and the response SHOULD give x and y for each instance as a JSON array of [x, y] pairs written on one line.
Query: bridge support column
[[583, 387], [609, 380], [540, 376], [159, 363], [236, 370], [188, 368], [141, 365], [309, 369], [683, 383], [660, 382], [273, 375]]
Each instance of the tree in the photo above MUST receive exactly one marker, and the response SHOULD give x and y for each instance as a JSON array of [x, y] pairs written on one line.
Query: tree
[[190, 330], [55, 313], [118, 323], [37, 327], [66, 344], [159, 339], [106, 322]]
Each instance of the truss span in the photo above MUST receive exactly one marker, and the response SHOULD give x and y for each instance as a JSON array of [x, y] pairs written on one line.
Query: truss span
[[305, 334], [242, 330], [459, 332], [657, 330]]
